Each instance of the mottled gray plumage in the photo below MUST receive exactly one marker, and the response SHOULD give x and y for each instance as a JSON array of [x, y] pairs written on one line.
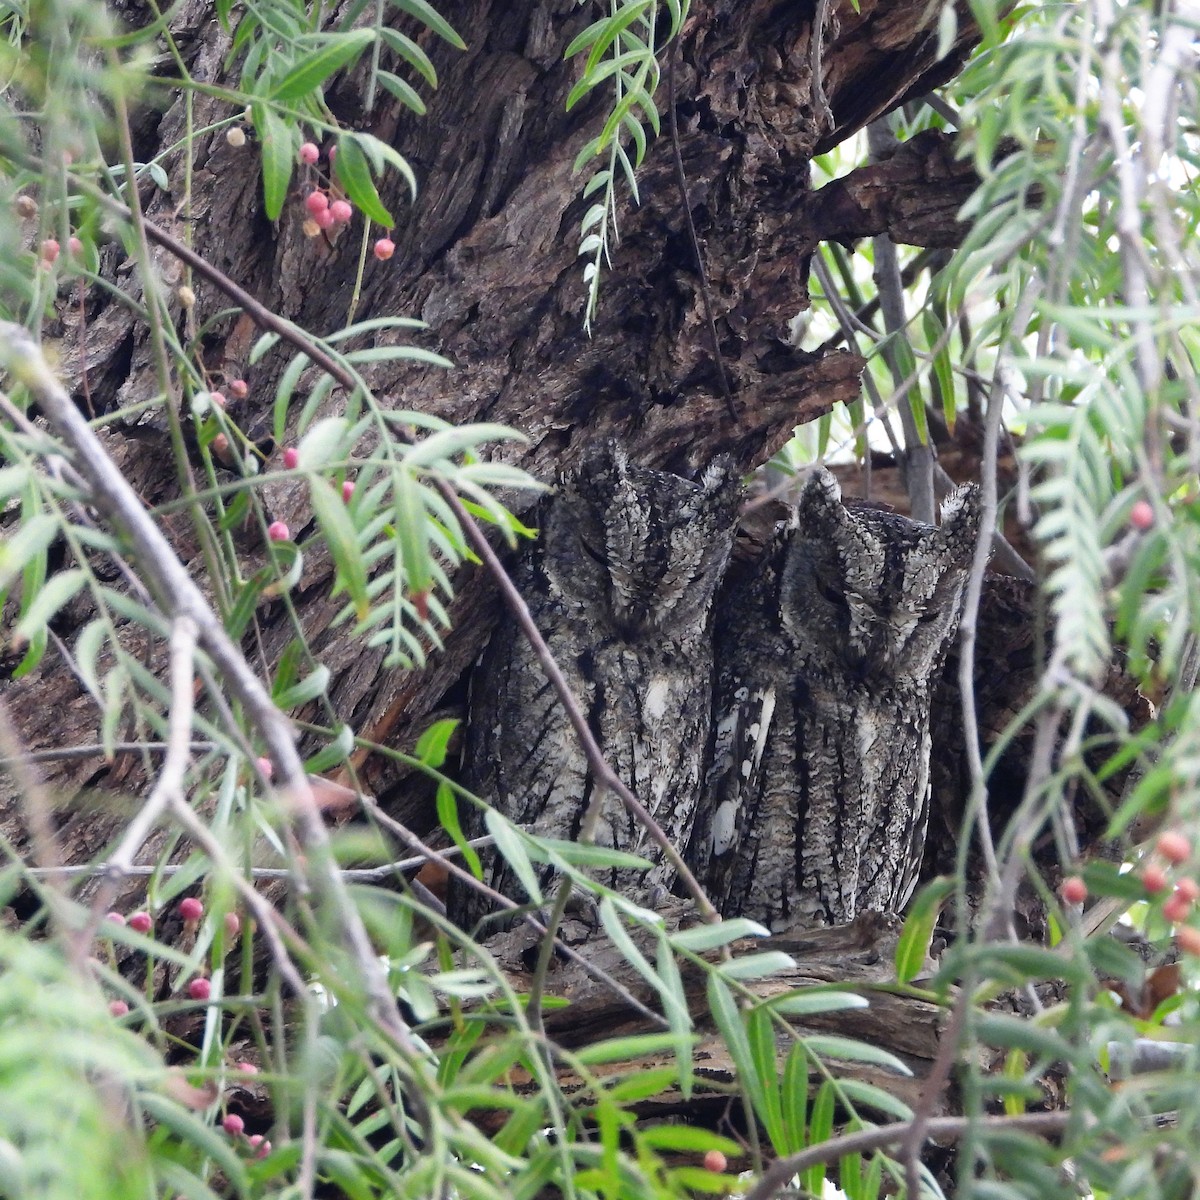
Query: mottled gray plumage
[[621, 585], [817, 801]]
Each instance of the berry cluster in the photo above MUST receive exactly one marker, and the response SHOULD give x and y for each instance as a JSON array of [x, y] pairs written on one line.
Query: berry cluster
[[1178, 897], [278, 531], [325, 213]]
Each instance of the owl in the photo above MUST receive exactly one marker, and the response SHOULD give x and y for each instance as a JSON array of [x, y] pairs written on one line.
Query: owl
[[621, 584], [817, 799]]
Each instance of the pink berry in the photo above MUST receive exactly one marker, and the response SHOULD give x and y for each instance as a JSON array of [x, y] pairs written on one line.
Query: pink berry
[[1177, 908], [50, 250], [1074, 890], [316, 202], [200, 988], [239, 388], [324, 219], [190, 909], [1189, 889], [74, 245], [118, 1008], [714, 1160], [341, 211], [1174, 847], [1141, 515], [309, 153], [266, 768], [141, 922], [1154, 879], [261, 1144], [115, 917], [233, 924], [384, 249], [347, 490], [246, 1068], [218, 399], [1188, 939], [291, 458], [332, 153], [233, 1124], [278, 531], [220, 445]]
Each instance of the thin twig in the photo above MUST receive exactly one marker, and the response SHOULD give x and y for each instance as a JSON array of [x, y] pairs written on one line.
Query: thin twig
[[776, 1177]]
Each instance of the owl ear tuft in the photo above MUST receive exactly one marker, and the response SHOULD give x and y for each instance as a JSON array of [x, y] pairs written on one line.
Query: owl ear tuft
[[962, 512], [820, 500]]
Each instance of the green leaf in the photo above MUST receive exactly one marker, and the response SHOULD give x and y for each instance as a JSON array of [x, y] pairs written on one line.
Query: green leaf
[[807, 1002], [760, 1033], [341, 537], [430, 17], [448, 815], [626, 1049], [53, 594], [755, 966], [331, 52], [432, 744], [309, 688], [32, 538], [847, 1049], [411, 53], [913, 946], [513, 850], [403, 91], [686, 1137], [352, 170], [821, 1130], [276, 141], [875, 1097], [729, 1021], [794, 1097], [718, 933]]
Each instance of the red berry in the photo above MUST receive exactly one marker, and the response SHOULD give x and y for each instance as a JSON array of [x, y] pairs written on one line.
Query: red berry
[[1174, 847], [218, 399], [341, 211], [384, 249], [200, 988], [190, 909], [347, 489], [278, 531], [74, 245], [309, 153], [240, 388], [1154, 879], [1073, 890], [1188, 939], [1177, 908], [233, 924], [291, 457], [118, 1008], [141, 922], [115, 917], [1141, 515], [233, 1124], [324, 219], [50, 250], [316, 202], [714, 1160]]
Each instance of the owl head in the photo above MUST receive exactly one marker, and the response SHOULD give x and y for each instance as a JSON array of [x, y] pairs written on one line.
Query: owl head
[[644, 549], [873, 595]]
